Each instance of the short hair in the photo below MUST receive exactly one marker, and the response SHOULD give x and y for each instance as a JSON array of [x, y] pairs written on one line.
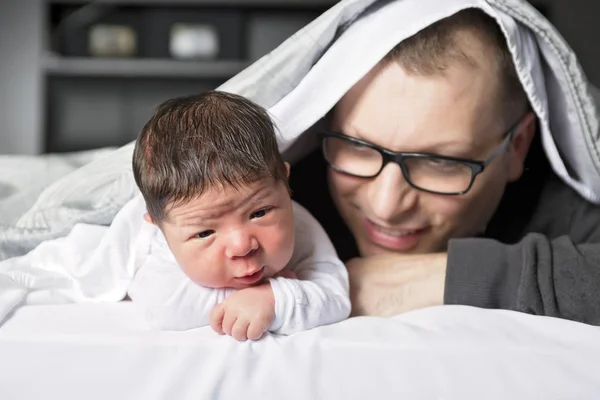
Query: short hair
[[195, 143], [433, 49]]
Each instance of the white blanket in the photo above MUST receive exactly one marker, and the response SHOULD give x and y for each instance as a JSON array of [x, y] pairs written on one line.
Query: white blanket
[[106, 351]]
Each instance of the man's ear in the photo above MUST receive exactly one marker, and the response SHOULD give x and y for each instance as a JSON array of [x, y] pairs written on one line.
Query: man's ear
[[149, 219], [287, 169], [519, 147]]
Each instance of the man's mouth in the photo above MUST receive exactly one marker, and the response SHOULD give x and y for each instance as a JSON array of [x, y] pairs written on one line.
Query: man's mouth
[[395, 232], [399, 239]]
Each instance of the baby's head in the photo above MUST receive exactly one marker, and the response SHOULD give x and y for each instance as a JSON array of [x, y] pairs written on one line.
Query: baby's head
[[215, 183]]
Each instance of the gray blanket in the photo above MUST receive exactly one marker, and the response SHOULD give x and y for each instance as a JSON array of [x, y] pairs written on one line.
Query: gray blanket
[[94, 193]]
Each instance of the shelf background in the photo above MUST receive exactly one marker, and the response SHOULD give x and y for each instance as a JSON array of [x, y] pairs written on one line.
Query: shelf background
[[203, 3], [33, 79], [92, 102], [139, 68]]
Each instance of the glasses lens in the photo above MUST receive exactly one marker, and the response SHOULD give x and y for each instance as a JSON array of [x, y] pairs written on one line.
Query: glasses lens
[[351, 157], [438, 175]]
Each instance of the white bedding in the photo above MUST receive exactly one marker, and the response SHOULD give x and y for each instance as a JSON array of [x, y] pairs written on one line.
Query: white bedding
[[23, 177], [106, 351]]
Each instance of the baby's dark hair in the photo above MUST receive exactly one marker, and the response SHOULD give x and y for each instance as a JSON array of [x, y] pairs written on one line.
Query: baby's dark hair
[[195, 143]]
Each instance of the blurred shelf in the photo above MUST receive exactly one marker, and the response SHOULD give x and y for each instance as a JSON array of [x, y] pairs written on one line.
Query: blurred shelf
[[229, 3], [138, 68]]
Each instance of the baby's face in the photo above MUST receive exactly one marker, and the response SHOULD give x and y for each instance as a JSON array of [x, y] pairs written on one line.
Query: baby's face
[[231, 237]]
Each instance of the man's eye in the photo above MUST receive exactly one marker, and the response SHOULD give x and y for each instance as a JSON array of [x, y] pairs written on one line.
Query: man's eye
[[260, 213], [360, 148], [205, 234], [444, 164]]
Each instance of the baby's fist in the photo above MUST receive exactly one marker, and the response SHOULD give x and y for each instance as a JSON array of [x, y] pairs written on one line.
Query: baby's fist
[[245, 314]]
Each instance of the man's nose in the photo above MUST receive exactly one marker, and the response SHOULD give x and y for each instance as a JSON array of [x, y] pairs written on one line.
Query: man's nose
[[241, 244], [390, 195]]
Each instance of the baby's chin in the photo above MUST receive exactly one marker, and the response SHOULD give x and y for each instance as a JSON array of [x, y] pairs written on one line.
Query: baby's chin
[[233, 285], [236, 284], [260, 278], [240, 287]]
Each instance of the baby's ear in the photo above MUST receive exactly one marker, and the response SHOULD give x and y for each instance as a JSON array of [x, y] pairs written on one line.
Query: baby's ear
[[149, 219], [287, 169]]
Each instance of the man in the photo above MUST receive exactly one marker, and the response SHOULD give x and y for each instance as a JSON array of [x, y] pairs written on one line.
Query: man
[[476, 216]]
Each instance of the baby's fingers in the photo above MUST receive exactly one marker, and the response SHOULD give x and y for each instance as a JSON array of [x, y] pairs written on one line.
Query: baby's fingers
[[228, 322], [255, 331], [240, 330], [216, 318]]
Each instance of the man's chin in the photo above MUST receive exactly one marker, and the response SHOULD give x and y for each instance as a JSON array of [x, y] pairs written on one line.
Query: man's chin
[[370, 249]]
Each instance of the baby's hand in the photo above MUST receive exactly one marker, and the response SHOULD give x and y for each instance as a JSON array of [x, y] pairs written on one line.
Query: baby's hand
[[245, 314]]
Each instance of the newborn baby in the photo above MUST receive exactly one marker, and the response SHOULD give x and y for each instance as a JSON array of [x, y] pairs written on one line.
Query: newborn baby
[[228, 246]]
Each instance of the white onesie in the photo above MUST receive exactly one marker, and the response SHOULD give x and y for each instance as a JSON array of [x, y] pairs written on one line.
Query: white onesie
[[318, 297]]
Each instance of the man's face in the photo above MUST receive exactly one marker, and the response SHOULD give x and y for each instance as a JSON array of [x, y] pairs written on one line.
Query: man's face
[[452, 115], [231, 237]]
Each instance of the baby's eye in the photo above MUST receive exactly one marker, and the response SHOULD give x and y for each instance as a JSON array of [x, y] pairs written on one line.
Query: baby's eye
[[205, 234], [260, 213]]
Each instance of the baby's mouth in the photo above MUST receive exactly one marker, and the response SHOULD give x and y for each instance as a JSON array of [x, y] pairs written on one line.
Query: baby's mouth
[[252, 278]]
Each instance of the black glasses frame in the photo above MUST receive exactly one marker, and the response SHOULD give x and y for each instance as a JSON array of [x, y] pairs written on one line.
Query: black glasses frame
[[477, 167]]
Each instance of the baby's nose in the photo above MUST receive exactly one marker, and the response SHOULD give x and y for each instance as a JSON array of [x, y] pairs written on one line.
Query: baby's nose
[[241, 244]]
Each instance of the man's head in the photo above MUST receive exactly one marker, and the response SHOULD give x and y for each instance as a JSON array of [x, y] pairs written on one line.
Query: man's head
[[450, 90], [215, 183]]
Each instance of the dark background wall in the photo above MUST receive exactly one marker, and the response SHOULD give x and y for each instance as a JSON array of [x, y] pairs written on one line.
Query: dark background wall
[[54, 100]]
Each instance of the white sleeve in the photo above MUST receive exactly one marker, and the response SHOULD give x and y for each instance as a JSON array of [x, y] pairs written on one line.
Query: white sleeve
[[169, 299], [320, 295]]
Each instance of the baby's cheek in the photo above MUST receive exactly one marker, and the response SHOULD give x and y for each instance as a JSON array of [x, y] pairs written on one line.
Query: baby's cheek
[[282, 246], [203, 270]]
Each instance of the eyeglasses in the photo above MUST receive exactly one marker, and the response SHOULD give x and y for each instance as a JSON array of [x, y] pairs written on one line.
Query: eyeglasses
[[426, 172]]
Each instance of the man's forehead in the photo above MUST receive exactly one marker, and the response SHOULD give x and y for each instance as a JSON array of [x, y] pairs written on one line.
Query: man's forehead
[[395, 109]]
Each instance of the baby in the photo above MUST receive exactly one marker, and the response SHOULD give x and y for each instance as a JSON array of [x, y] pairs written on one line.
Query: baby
[[228, 246]]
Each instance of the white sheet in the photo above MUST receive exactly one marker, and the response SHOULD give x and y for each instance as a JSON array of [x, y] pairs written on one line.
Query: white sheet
[[106, 351]]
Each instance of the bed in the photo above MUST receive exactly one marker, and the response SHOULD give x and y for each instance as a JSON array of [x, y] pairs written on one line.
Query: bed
[[69, 343], [105, 351]]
